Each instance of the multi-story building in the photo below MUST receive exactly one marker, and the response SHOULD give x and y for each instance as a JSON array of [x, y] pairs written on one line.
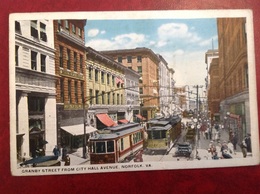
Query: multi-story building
[[180, 99], [233, 74], [213, 91], [164, 87], [146, 62], [106, 92], [171, 91], [70, 68], [132, 95], [35, 87]]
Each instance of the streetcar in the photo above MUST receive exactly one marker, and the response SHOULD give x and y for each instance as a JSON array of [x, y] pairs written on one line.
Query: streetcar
[[116, 144], [163, 132]]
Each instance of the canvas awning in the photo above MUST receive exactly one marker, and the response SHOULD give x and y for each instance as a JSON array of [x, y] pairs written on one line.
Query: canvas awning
[[106, 120], [78, 129], [140, 117], [123, 121]]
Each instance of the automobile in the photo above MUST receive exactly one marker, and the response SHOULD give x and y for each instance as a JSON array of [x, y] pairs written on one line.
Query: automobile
[[42, 161], [183, 149]]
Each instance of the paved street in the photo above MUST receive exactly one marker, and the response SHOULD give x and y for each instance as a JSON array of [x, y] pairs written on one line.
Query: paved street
[[202, 149], [203, 144]]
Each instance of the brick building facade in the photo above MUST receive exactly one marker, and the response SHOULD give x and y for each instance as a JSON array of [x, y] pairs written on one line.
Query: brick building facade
[[214, 90], [233, 74], [145, 62], [70, 68]]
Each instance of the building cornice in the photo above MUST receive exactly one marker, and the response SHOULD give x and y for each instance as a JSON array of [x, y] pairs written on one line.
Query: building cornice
[[99, 56], [137, 50], [73, 38], [29, 43]]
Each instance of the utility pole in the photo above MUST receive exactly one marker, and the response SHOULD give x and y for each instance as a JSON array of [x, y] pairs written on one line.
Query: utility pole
[[84, 155], [197, 118]]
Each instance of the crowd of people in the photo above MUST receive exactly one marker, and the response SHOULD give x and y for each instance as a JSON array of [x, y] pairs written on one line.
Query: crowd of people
[[225, 149]]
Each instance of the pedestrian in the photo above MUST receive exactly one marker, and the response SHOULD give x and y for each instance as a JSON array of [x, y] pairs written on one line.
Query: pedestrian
[[244, 148], [248, 143], [212, 148], [64, 153], [231, 147], [207, 133], [225, 151], [56, 151], [215, 156], [233, 139], [67, 160], [37, 152]]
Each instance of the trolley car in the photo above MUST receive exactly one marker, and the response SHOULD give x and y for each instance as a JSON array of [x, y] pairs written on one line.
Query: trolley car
[[116, 144], [163, 132]]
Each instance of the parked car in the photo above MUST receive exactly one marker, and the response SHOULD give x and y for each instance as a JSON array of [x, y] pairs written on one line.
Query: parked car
[[183, 149]]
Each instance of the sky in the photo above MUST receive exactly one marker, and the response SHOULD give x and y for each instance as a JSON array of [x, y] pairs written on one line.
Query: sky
[[182, 42]]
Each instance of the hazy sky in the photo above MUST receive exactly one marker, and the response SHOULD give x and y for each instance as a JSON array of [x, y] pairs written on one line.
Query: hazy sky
[[182, 42]]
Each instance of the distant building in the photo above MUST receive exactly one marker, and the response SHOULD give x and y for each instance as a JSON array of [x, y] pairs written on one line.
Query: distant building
[[132, 95], [145, 62], [166, 96], [171, 91], [214, 91], [35, 87], [233, 75], [212, 84]]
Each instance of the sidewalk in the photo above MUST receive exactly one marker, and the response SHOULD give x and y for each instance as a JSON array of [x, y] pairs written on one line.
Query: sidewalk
[[203, 144], [75, 158], [224, 136]]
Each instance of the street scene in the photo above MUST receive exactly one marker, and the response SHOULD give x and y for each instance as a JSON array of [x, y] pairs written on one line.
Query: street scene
[[88, 92]]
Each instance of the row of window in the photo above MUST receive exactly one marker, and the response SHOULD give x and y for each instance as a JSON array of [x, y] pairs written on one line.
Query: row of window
[[70, 62], [105, 98], [129, 59], [109, 146], [74, 92], [100, 75], [70, 27], [156, 134], [38, 61], [37, 29]]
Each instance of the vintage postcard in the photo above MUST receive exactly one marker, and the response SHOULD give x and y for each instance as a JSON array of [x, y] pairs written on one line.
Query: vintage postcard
[[94, 92]]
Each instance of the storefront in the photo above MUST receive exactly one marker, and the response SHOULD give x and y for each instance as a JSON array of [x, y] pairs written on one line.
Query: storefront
[[72, 136]]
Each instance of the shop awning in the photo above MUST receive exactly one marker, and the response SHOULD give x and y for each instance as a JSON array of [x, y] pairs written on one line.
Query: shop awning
[[140, 117], [78, 129], [106, 120], [123, 121]]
